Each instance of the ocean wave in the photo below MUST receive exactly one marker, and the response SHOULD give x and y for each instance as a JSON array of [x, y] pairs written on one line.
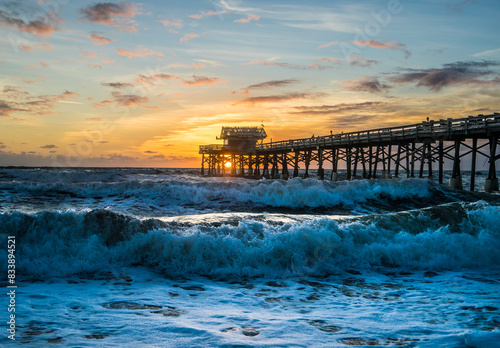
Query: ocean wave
[[66, 243], [294, 194]]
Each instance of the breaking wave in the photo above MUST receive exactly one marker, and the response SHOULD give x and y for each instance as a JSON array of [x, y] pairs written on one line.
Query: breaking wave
[[450, 236]]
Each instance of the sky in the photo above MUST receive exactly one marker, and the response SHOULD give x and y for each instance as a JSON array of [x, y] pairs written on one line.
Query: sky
[[123, 83]]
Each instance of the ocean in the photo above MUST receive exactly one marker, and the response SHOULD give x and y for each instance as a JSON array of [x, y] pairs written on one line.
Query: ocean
[[167, 258]]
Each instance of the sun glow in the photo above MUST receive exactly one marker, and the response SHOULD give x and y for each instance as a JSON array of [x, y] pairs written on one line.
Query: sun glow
[[227, 165]]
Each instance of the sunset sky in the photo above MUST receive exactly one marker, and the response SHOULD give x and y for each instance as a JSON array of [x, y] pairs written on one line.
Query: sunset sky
[[87, 83]]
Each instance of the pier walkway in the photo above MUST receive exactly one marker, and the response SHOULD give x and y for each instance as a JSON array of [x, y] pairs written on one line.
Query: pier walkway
[[405, 150]]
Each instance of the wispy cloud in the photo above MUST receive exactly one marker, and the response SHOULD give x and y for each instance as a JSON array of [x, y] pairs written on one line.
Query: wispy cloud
[[175, 23], [140, 52], [188, 37], [329, 44], [192, 66], [98, 39], [366, 84], [452, 74], [397, 46], [118, 85], [123, 100], [337, 108], [203, 14], [14, 99], [247, 19], [36, 46], [50, 146], [353, 60], [157, 79], [488, 53], [201, 80], [268, 85], [280, 98], [289, 65]]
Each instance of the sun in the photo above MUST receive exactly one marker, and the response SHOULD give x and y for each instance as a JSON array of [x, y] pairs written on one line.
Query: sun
[[227, 165]]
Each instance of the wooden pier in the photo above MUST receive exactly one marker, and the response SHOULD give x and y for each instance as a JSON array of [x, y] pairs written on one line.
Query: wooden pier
[[410, 150]]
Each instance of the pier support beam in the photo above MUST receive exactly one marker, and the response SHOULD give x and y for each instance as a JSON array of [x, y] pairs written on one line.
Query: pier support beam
[[456, 177], [491, 182]]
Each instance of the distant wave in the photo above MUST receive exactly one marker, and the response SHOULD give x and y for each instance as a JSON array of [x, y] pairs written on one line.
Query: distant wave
[[451, 236], [294, 194]]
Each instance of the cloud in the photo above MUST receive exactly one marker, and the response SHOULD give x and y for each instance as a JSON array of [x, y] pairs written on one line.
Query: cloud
[[268, 84], [188, 37], [201, 80], [123, 100], [353, 60], [14, 100], [248, 19], [458, 73], [338, 108], [99, 40], [329, 44], [89, 55], [289, 65], [148, 151], [192, 66], [14, 16], [117, 85], [280, 98], [366, 84], [141, 52], [153, 80], [156, 79], [397, 46], [488, 53], [176, 23], [39, 46], [109, 13], [272, 84], [48, 147], [202, 14]]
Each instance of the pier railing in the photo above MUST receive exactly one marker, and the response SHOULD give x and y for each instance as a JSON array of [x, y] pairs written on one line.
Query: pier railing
[[442, 129]]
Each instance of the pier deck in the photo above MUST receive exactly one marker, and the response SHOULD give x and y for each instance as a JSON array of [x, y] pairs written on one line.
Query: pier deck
[[409, 149]]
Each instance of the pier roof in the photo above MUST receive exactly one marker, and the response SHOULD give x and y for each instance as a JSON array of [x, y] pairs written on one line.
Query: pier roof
[[242, 132]]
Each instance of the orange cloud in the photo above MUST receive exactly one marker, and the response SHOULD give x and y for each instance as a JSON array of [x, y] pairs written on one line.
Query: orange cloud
[[89, 55], [188, 37], [15, 19], [141, 52], [204, 14], [99, 40], [248, 19], [329, 44], [384, 45], [42, 46], [177, 23]]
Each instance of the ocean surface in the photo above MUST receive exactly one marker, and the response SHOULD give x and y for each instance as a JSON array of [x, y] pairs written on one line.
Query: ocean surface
[[167, 258]]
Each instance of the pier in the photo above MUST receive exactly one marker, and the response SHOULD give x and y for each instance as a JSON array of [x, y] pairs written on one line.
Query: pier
[[410, 151]]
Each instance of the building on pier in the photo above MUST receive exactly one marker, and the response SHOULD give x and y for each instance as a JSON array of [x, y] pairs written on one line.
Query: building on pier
[[232, 155], [408, 150]]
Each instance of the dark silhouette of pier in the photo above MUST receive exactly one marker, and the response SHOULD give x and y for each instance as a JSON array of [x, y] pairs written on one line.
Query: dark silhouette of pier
[[408, 150]]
